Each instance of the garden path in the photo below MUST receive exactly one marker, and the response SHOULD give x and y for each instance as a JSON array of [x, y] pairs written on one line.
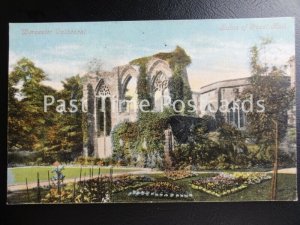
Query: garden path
[[287, 170]]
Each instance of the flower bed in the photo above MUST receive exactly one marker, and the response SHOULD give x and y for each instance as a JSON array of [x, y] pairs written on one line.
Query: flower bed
[[95, 190], [125, 182], [179, 174], [220, 185], [161, 190], [225, 183], [252, 177]]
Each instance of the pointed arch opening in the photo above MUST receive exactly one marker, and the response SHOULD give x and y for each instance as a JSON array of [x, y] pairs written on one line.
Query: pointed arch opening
[[128, 93], [160, 90], [235, 115], [103, 109]]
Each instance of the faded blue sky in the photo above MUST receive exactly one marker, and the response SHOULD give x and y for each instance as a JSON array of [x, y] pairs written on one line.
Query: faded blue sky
[[219, 48]]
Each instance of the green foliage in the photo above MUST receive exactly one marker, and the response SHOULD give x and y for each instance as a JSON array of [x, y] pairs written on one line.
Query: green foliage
[[272, 86], [151, 130], [89, 122], [26, 95], [141, 61], [178, 57], [141, 143], [180, 90], [125, 141], [64, 136], [56, 136], [221, 149], [199, 151], [72, 122], [87, 160], [287, 190], [58, 178], [176, 85], [179, 87], [143, 87], [98, 189], [232, 141], [26, 71], [187, 95], [209, 123], [23, 158]]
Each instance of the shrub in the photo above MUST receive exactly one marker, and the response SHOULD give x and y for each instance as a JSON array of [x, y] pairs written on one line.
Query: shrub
[[23, 157]]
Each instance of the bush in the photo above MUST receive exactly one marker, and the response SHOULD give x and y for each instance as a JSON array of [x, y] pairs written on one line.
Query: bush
[[23, 158], [86, 160]]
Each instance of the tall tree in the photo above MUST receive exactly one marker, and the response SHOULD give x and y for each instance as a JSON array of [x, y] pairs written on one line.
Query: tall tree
[[70, 132], [26, 95], [180, 90], [270, 85]]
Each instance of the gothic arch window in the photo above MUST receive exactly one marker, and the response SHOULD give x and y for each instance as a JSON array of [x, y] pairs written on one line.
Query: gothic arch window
[[103, 91], [160, 82], [210, 110], [125, 84], [128, 92], [235, 115], [103, 109], [160, 90]]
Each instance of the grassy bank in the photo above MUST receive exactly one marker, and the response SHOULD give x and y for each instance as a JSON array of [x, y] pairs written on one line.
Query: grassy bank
[[19, 174]]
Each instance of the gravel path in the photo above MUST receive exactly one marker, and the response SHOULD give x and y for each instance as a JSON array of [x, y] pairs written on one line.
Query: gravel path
[[287, 171]]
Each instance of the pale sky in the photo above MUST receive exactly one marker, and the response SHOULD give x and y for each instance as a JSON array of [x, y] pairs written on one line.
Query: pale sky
[[219, 49]]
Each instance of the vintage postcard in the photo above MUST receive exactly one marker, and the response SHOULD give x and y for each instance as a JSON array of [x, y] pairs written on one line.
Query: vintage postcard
[[152, 111]]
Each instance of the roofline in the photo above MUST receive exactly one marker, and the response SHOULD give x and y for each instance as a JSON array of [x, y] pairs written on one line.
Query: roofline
[[236, 79]]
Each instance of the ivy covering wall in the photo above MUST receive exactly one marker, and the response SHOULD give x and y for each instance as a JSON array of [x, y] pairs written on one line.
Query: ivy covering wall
[[178, 57], [141, 143], [179, 87]]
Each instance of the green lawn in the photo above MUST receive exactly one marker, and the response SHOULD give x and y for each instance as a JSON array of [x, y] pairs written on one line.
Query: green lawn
[[18, 175]]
